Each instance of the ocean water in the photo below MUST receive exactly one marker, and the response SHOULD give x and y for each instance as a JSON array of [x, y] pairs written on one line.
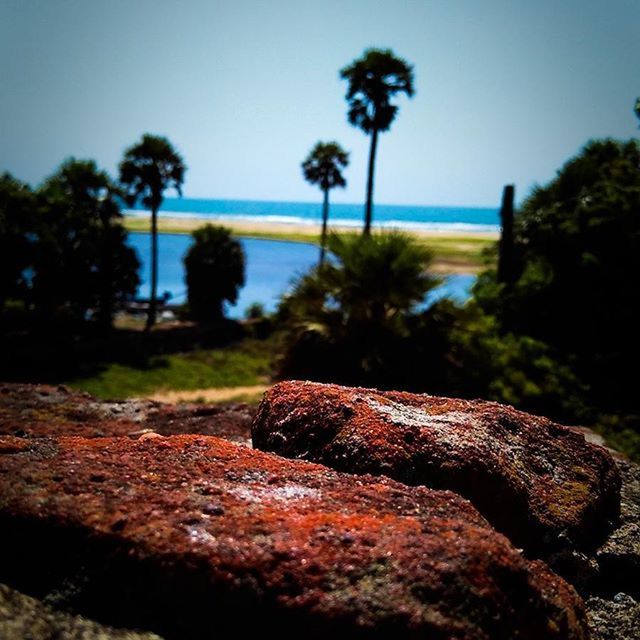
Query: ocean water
[[271, 267], [390, 216]]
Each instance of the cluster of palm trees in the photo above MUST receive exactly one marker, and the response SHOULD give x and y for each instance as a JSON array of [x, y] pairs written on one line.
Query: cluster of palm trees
[[373, 80], [152, 166]]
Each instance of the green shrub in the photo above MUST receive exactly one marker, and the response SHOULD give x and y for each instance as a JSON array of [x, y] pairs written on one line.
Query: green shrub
[[214, 267]]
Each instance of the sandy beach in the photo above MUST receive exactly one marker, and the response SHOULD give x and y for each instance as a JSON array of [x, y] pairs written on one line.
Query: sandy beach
[[310, 230], [457, 251]]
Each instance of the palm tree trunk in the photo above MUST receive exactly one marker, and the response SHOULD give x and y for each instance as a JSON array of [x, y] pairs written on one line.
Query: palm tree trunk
[[105, 314], [151, 317], [369, 203], [325, 218]]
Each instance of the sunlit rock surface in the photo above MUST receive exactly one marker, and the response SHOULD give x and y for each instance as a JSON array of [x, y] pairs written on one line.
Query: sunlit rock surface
[[194, 536], [539, 483]]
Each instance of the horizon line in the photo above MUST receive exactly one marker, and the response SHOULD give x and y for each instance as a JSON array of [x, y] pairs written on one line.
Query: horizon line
[[319, 203]]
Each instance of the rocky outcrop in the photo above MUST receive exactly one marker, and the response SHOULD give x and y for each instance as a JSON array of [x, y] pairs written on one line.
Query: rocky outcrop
[[42, 410], [536, 481], [193, 536]]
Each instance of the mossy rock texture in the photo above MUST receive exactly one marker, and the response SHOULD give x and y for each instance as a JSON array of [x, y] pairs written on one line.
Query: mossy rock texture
[[538, 482], [196, 537]]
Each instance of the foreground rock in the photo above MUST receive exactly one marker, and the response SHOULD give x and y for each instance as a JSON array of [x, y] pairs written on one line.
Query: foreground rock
[[619, 556], [193, 536], [42, 410], [614, 619], [536, 481], [23, 617]]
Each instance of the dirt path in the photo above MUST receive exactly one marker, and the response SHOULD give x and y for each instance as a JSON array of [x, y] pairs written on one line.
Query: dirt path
[[214, 394]]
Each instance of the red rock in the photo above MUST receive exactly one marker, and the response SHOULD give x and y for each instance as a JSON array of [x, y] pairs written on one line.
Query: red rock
[[42, 410], [536, 481], [193, 536]]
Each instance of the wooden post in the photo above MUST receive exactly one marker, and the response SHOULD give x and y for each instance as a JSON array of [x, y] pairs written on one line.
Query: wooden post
[[506, 273]]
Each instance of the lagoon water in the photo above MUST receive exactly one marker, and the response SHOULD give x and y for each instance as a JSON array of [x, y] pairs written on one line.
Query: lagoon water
[[428, 218], [271, 267]]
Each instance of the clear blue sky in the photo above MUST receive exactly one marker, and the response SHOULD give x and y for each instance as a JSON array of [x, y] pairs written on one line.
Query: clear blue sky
[[507, 90]]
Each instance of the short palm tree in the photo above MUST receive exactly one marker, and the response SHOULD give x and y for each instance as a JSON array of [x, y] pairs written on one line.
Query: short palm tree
[[357, 308], [323, 167], [373, 80], [148, 169]]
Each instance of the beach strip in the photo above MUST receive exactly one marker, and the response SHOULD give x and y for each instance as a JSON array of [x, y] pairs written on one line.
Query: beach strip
[[453, 251]]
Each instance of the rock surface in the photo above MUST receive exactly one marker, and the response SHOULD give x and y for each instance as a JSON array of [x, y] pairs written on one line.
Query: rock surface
[[193, 536], [617, 618], [41, 410], [538, 482], [619, 556], [23, 617]]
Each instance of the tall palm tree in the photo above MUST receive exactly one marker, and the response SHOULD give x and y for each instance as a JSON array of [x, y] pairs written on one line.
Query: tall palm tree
[[373, 80], [148, 169], [323, 167]]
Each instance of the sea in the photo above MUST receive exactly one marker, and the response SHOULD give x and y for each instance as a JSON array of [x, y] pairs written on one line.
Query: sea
[[426, 218], [272, 266]]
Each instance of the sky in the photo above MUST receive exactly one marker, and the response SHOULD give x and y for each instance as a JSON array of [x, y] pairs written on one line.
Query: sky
[[506, 90]]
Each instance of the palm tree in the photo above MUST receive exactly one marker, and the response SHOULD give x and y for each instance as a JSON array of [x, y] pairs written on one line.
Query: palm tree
[[347, 319], [148, 169], [373, 80], [322, 167]]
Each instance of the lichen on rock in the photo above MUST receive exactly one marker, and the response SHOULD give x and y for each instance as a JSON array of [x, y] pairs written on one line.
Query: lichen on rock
[[538, 482], [36, 410], [191, 536]]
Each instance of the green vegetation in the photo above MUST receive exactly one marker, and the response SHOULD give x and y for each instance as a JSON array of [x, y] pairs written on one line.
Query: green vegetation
[[214, 268], [374, 79], [17, 221], [464, 353], [577, 260], [348, 320], [148, 169], [323, 167], [248, 362], [64, 250]]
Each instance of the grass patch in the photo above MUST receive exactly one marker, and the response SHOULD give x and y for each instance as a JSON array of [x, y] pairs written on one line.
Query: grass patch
[[252, 399], [621, 433], [245, 363]]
